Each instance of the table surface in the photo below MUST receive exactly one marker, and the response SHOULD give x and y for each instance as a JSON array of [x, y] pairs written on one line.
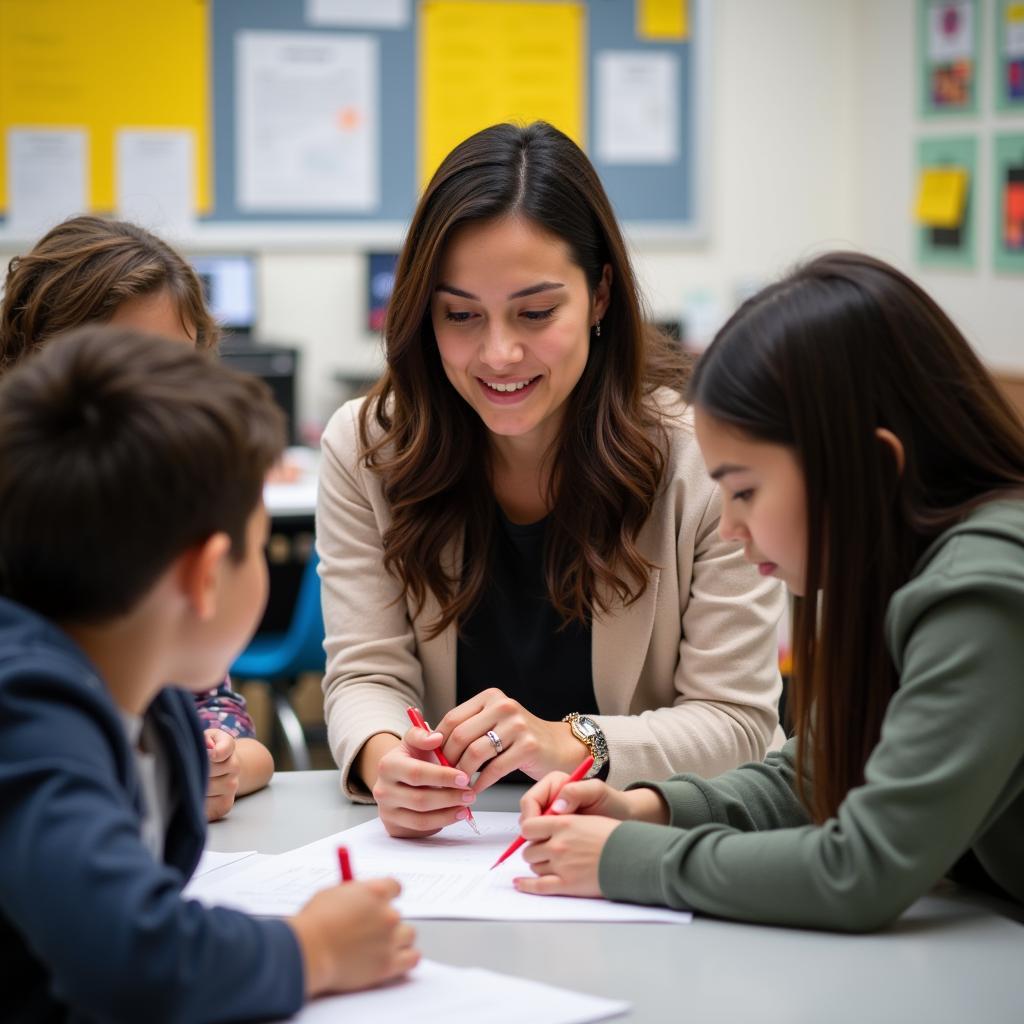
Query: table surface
[[951, 958]]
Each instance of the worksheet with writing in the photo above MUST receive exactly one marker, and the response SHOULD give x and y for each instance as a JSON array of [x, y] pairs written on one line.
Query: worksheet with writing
[[444, 876]]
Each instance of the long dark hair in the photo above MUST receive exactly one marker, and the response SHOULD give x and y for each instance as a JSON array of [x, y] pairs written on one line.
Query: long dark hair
[[431, 449], [818, 362], [80, 271]]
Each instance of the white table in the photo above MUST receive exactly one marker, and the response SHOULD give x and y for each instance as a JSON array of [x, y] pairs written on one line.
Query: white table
[[951, 958]]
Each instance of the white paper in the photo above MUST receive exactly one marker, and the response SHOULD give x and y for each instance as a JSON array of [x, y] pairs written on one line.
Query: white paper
[[47, 178], [358, 13], [446, 876], [950, 31], [156, 184], [439, 992], [637, 107], [307, 121], [213, 860]]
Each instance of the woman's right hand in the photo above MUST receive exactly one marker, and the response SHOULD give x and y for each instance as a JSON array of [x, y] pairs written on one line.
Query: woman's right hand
[[415, 795]]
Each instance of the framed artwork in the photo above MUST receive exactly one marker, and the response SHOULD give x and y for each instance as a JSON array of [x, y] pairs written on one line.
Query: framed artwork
[[1009, 62], [945, 211], [1008, 189], [948, 54]]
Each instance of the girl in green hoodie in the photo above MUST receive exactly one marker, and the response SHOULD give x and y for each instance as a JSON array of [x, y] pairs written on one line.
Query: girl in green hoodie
[[867, 459]]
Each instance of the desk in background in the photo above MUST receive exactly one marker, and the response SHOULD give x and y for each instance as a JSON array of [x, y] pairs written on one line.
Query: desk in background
[[950, 958]]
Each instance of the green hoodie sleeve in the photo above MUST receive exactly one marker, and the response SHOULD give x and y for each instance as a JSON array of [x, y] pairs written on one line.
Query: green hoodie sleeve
[[755, 797], [950, 761]]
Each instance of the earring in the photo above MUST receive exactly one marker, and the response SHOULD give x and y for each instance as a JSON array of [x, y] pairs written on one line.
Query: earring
[[597, 328]]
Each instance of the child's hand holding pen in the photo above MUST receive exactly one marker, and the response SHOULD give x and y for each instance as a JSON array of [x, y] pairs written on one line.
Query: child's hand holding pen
[[351, 937], [564, 846]]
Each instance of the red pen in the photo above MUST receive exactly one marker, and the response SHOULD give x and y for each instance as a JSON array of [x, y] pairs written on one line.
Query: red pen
[[581, 769], [345, 864], [417, 719]]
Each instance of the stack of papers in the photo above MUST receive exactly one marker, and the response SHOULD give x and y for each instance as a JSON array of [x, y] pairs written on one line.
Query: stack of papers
[[444, 876]]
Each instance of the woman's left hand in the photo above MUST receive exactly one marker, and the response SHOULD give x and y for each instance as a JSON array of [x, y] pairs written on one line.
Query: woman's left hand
[[528, 743], [564, 853]]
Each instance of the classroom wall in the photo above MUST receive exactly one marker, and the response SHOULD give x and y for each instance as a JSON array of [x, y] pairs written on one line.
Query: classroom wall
[[988, 307], [813, 127], [782, 185]]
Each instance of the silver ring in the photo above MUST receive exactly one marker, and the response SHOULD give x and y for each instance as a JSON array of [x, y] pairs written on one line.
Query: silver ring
[[495, 742]]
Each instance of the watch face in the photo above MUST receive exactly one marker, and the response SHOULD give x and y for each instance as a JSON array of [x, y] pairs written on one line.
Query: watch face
[[587, 727]]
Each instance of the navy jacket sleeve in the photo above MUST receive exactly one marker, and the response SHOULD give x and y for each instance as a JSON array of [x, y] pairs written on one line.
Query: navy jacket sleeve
[[106, 921]]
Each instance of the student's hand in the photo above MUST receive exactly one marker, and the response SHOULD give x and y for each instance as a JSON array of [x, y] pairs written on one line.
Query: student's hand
[[592, 796], [528, 743], [415, 795], [225, 771], [351, 937], [564, 852]]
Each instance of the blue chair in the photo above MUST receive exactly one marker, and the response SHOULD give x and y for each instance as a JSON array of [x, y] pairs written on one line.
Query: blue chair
[[279, 658]]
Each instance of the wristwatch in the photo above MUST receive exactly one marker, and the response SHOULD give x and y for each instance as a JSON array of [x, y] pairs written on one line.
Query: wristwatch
[[589, 733]]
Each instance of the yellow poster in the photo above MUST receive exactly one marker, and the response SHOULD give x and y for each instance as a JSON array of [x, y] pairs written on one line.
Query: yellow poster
[[103, 65], [485, 61], [941, 197], [662, 19]]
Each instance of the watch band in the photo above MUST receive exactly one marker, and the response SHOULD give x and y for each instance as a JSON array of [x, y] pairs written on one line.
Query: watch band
[[590, 734]]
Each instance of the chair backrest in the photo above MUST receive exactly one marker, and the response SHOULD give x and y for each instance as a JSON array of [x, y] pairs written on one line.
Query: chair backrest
[[300, 648], [305, 634]]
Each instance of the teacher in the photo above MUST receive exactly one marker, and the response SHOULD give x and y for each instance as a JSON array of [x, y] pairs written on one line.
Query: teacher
[[515, 527]]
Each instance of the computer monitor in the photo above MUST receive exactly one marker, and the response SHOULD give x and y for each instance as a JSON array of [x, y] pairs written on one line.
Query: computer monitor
[[230, 286], [380, 277]]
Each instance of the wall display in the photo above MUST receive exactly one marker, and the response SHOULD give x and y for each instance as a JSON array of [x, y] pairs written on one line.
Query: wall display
[[1009, 55], [945, 201], [330, 114], [947, 43], [102, 66], [1008, 190], [484, 61]]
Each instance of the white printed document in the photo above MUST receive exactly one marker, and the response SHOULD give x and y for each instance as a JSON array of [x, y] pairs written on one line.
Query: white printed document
[[47, 178], [306, 121], [444, 876], [637, 107], [434, 991], [156, 184]]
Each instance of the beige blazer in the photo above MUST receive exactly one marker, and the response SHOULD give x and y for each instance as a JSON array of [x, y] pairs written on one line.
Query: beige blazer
[[686, 678]]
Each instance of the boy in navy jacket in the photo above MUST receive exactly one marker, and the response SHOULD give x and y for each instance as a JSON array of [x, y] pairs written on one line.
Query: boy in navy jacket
[[131, 553]]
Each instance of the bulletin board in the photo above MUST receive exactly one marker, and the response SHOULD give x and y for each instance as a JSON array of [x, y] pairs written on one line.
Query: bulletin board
[[579, 63], [104, 65], [663, 192]]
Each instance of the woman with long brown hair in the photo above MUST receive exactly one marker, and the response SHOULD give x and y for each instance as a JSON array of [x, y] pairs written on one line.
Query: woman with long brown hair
[[93, 270], [515, 530], [867, 459]]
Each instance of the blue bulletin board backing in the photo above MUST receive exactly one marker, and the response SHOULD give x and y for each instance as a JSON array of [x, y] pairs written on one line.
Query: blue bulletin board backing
[[661, 198]]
